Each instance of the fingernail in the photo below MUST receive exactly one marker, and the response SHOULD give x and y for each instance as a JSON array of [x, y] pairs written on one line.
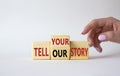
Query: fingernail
[[90, 41], [102, 37], [82, 32], [98, 50], [90, 45]]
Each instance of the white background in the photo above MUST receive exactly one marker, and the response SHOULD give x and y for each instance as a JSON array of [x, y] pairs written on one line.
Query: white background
[[25, 21]]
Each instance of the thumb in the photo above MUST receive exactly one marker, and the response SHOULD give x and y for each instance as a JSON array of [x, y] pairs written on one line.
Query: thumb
[[107, 36]]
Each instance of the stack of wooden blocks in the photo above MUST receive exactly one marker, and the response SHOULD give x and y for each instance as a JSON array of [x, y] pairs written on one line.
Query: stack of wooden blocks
[[60, 48]]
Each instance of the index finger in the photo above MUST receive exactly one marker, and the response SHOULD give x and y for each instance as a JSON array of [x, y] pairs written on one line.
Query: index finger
[[93, 24]]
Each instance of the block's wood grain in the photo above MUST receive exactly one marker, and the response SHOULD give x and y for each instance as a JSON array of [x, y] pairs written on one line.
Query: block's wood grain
[[78, 50], [60, 47], [41, 50]]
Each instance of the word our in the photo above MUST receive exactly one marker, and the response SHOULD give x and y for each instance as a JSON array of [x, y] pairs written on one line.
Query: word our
[[60, 48]]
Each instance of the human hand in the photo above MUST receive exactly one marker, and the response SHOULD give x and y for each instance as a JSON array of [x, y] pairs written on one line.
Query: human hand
[[103, 29]]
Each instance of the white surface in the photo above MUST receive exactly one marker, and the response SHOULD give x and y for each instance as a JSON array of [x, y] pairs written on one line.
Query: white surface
[[24, 21]]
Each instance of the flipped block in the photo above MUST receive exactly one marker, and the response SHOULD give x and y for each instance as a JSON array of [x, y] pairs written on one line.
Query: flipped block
[[78, 50], [41, 50], [60, 47]]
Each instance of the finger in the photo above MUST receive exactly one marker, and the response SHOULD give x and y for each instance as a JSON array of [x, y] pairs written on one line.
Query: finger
[[98, 48], [92, 35], [90, 26], [95, 23], [97, 43], [90, 38]]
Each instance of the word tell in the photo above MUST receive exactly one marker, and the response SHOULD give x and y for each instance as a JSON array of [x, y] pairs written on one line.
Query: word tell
[[41, 50]]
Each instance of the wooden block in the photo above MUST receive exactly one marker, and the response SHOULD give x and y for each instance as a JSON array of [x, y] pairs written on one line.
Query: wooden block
[[78, 50], [60, 53], [41, 50], [60, 40], [60, 47]]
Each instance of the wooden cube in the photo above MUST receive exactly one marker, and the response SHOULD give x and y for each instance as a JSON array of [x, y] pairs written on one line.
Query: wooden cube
[[60, 47], [78, 50], [60, 53], [41, 50]]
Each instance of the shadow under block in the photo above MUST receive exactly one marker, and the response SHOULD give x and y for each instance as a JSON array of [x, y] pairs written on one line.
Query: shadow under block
[[78, 50], [60, 47], [41, 50]]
